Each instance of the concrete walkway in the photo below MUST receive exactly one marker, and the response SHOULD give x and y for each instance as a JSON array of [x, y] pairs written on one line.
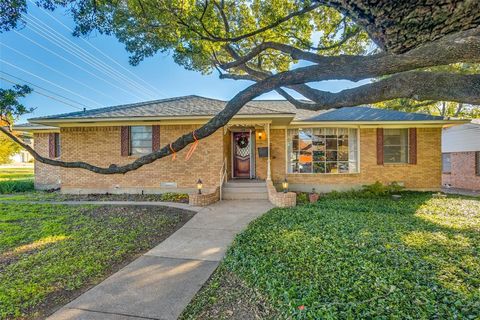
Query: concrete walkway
[[161, 283]]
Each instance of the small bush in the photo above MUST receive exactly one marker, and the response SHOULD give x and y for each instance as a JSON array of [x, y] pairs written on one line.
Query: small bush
[[375, 189], [302, 198], [174, 197], [13, 186]]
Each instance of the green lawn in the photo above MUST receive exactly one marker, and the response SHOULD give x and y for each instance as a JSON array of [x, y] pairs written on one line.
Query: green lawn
[[352, 258], [16, 173], [48, 253], [16, 180]]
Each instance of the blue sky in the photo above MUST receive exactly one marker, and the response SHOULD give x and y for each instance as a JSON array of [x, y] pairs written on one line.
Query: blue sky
[[54, 69]]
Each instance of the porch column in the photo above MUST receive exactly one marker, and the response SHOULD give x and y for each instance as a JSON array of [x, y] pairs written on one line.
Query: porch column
[[269, 177]]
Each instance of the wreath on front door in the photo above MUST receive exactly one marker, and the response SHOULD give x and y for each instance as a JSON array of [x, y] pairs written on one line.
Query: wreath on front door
[[242, 142]]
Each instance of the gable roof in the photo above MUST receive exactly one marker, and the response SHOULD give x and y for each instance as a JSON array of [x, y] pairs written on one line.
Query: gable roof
[[172, 107], [371, 114]]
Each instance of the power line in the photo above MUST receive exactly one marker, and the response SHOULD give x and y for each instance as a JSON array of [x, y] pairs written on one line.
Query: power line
[[73, 63], [42, 94], [102, 53], [48, 81], [69, 46], [61, 73]]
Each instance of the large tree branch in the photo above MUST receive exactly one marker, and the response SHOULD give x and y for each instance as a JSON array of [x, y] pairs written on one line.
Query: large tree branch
[[415, 85], [460, 47]]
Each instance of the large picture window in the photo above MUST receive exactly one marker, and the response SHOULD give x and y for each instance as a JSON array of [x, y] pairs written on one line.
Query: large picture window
[[395, 145], [322, 150], [140, 140]]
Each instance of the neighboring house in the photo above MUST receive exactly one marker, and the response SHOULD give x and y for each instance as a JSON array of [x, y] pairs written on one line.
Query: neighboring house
[[461, 156], [328, 150]]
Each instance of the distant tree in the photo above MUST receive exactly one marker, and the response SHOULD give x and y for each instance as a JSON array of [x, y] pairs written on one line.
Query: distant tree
[[286, 45], [10, 110], [7, 148]]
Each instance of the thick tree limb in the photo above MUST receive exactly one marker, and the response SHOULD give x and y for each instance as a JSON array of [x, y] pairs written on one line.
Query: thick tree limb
[[460, 47], [399, 26], [415, 85]]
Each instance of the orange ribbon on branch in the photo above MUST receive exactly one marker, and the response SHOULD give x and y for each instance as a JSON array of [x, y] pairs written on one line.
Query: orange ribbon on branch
[[174, 153], [192, 148]]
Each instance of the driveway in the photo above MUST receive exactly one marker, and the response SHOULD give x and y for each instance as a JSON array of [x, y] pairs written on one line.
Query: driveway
[[161, 283]]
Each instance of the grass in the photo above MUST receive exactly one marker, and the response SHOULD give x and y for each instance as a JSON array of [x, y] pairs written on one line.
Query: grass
[[349, 257], [50, 253], [14, 180], [57, 196]]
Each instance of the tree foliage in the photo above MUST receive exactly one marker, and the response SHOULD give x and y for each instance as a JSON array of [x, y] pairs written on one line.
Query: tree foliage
[[10, 107], [7, 149]]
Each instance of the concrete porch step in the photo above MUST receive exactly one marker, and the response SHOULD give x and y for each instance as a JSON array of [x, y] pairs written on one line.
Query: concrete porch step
[[245, 190], [244, 184], [252, 189], [245, 196]]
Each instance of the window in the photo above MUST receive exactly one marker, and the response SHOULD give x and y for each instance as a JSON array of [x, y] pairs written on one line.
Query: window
[[57, 144], [140, 140], [322, 150], [446, 163], [395, 145], [477, 163]]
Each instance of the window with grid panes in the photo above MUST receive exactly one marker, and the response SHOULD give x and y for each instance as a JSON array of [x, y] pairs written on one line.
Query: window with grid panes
[[322, 150]]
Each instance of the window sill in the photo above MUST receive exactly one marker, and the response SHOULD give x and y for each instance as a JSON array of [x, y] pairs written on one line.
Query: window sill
[[398, 164]]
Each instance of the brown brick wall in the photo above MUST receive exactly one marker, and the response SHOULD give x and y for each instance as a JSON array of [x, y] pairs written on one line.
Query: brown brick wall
[[260, 163], [426, 174], [463, 174], [101, 146], [46, 177]]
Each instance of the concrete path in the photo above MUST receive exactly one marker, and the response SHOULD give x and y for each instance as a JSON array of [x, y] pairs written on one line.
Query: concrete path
[[161, 283]]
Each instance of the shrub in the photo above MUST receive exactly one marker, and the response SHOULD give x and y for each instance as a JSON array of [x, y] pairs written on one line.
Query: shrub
[[302, 198], [375, 189], [13, 186], [174, 197]]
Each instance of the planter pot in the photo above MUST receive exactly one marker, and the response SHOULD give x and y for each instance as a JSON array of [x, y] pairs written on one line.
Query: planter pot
[[313, 197]]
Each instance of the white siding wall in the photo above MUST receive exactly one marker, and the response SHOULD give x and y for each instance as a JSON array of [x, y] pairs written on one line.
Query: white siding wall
[[462, 138]]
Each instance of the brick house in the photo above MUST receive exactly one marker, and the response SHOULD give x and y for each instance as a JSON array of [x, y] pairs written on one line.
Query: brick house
[[267, 140], [461, 157]]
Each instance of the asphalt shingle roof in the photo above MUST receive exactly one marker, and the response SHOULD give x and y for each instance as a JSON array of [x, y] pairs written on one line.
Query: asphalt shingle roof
[[371, 114], [200, 106], [172, 107]]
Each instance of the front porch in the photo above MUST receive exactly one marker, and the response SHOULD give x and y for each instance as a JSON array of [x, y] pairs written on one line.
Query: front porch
[[247, 151]]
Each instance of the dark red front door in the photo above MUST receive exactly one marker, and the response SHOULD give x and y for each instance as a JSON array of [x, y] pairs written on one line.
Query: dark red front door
[[241, 154]]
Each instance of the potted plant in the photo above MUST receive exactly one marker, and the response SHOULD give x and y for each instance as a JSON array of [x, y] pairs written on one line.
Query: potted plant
[[313, 196]]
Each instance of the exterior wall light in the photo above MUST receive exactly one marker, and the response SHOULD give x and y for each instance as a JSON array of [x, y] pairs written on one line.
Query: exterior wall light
[[285, 185], [199, 186], [260, 135]]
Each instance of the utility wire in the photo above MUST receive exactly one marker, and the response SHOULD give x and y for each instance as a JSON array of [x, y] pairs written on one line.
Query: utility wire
[[102, 53], [41, 93], [75, 64], [50, 82], [61, 73], [69, 46]]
